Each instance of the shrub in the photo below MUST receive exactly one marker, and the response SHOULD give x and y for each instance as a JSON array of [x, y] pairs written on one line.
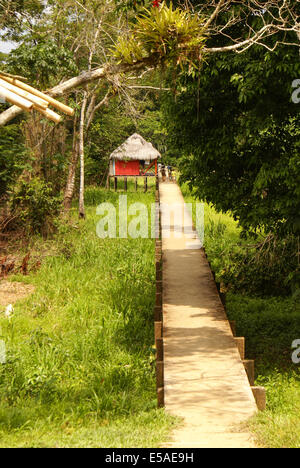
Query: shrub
[[269, 325], [12, 156], [35, 206], [268, 268]]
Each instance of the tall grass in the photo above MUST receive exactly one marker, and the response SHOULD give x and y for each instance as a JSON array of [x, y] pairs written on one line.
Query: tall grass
[[80, 367]]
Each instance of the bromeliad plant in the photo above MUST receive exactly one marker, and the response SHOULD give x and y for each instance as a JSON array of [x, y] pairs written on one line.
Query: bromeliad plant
[[164, 34]]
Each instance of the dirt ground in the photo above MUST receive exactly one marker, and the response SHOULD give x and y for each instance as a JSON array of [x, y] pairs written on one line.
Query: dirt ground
[[12, 292]]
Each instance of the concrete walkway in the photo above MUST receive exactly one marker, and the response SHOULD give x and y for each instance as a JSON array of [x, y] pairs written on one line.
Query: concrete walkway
[[205, 381]]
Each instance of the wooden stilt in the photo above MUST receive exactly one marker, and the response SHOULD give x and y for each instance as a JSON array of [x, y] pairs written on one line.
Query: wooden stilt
[[223, 298], [159, 349], [240, 342], [125, 184], [259, 394], [157, 330], [116, 183], [159, 273], [249, 368], [158, 315], [158, 299], [160, 397], [159, 374], [233, 327]]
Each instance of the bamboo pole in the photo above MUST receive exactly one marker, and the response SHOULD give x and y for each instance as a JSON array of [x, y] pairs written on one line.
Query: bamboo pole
[[15, 77], [16, 100], [58, 105], [25, 94], [49, 114], [27, 104]]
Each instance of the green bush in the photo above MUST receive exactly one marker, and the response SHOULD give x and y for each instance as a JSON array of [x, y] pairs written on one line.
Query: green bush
[[35, 206], [268, 268], [269, 326], [12, 156]]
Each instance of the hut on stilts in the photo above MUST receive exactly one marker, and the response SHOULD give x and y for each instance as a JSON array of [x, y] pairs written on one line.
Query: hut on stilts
[[136, 158]]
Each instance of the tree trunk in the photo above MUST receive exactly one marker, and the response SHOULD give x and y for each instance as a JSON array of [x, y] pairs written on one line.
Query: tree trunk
[[81, 155], [69, 191]]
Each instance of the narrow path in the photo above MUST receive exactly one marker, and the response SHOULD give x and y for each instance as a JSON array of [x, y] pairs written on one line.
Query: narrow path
[[205, 381]]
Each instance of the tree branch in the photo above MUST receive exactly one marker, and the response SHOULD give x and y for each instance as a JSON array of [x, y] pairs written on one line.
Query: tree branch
[[277, 17], [214, 14], [81, 80]]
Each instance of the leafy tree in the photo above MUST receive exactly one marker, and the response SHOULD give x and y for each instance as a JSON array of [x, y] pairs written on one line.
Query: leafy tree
[[13, 156], [18, 16], [3, 57], [42, 63], [238, 133]]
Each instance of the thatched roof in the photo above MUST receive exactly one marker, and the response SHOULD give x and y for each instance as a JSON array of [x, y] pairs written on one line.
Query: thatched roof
[[135, 147]]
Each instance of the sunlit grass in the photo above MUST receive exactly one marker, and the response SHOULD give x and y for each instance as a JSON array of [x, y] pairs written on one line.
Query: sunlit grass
[[279, 425], [81, 368]]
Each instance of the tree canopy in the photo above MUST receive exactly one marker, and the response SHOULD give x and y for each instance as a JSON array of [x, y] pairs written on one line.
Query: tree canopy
[[233, 126], [237, 130]]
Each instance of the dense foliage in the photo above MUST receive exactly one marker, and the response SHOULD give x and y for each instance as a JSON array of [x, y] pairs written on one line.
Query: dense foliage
[[34, 205], [12, 156], [237, 132], [42, 63]]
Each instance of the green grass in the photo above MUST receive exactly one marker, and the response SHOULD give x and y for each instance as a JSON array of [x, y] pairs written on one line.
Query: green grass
[[269, 325], [81, 368], [279, 426], [221, 233]]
